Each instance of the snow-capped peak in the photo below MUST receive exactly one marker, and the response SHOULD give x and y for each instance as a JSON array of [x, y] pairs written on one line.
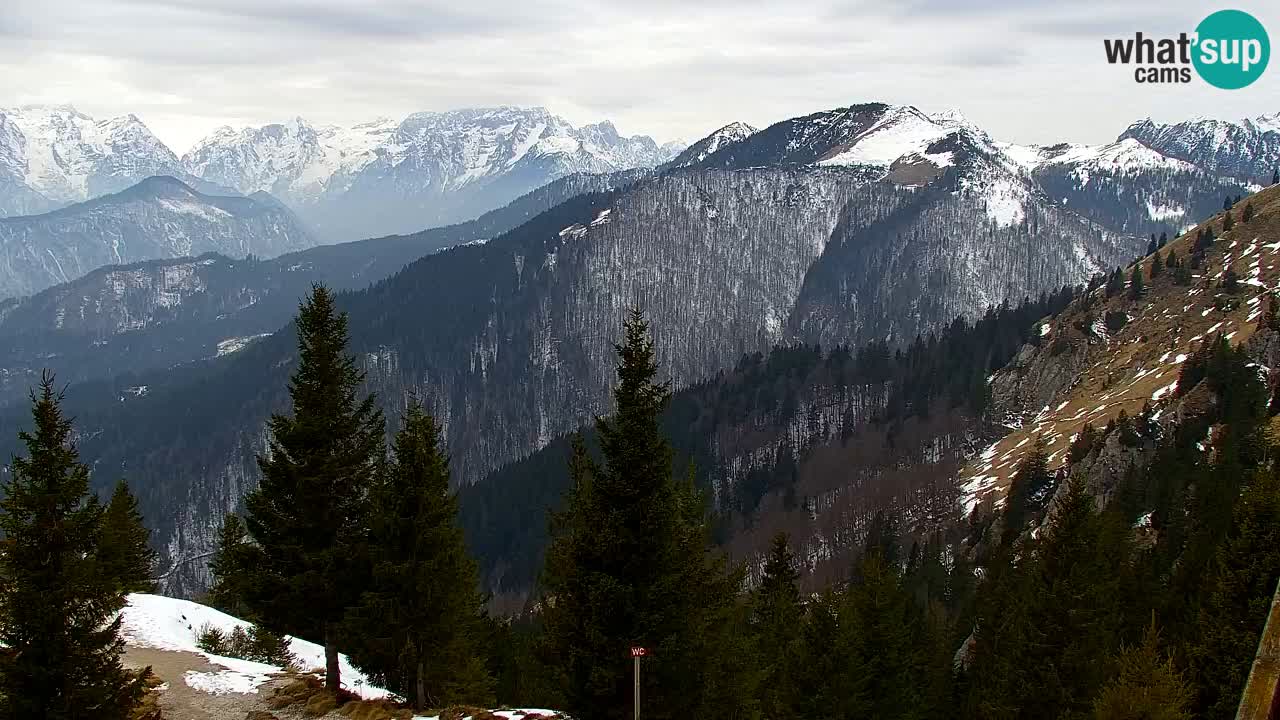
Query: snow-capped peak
[[446, 149], [66, 156], [731, 134], [1267, 123], [1124, 156], [1245, 149], [900, 131]]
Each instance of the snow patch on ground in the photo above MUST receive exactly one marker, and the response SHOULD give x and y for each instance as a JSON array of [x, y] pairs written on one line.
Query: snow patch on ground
[[1164, 212], [900, 131], [164, 623], [236, 344], [1005, 203]]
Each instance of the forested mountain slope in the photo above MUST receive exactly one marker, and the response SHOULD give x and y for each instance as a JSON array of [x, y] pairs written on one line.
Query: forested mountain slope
[[1117, 350], [809, 440], [509, 342], [160, 217], [817, 443], [128, 319]]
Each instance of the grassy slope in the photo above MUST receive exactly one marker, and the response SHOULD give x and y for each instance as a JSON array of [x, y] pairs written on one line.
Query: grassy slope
[[1140, 363]]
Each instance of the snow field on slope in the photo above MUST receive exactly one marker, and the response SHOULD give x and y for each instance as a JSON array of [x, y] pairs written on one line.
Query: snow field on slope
[[899, 132], [163, 623]]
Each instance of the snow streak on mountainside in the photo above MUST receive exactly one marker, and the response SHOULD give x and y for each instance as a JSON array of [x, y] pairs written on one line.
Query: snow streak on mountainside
[[160, 217], [52, 156], [429, 169], [1247, 150]]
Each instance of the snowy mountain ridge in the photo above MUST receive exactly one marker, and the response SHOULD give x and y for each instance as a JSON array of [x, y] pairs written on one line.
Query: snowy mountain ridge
[[429, 168], [1125, 155], [731, 134], [61, 156], [1248, 150]]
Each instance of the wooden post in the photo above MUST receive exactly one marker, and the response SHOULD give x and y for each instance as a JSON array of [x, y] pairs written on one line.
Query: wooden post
[[637, 653], [1261, 697]]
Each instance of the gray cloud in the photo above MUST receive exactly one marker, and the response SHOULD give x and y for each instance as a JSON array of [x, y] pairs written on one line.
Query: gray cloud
[[1027, 71]]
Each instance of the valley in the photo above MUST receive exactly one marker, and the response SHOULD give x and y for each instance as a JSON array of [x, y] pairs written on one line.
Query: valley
[[791, 353]]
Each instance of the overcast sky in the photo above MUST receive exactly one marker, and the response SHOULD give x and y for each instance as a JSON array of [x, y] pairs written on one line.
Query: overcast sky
[[1026, 70]]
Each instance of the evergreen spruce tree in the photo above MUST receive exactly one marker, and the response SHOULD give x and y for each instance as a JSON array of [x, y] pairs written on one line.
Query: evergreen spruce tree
[[1231, 280], [1077, 609], [776, 614], [232, 568], [1164, 239], [1153, 245], [1228, 222], [124, 549], [1029, 493], [834, 683], [1226, 203], [1247, 215], [1006, 639], [309, 516], [1136, 286], [1157, 266], [630, 564], [58, 622], [1145, 686], [1241, 585], [417, 630], [881, 624], [1275, 177], [1115, 283]]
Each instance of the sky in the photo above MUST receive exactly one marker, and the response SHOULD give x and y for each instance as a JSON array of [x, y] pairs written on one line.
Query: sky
[[1030, 71]]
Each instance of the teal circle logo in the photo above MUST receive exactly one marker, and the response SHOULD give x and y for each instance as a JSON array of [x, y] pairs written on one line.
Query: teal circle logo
[[1232, 49]]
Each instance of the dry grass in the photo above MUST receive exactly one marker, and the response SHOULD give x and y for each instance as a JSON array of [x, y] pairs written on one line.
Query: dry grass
[[149, 707], [306, 693], [1137, 364], [376, 710]]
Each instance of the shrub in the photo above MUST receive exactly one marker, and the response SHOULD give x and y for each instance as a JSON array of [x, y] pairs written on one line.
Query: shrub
[[256, 644], [1115, 321]]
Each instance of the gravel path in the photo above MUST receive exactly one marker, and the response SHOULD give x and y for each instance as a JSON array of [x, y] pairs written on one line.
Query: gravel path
[[182, 702]]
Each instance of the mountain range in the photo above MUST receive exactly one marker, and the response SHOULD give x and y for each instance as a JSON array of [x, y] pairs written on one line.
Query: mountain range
[[431, 168], [378, 178], [870, 222]]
